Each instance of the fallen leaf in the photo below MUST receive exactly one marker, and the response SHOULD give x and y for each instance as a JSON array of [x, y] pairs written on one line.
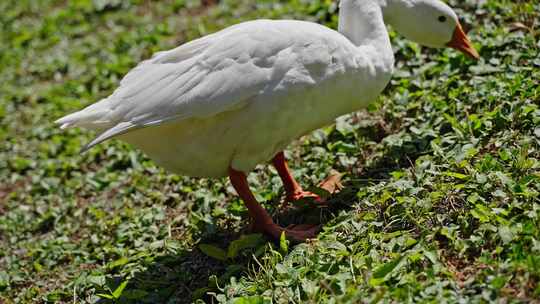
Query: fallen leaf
[[332, 183]]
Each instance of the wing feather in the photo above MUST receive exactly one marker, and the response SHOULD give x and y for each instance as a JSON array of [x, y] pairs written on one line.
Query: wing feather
[[214, 74]]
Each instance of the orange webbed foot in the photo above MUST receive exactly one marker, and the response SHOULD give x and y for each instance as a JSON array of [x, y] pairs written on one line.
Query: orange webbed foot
[[305, 195]]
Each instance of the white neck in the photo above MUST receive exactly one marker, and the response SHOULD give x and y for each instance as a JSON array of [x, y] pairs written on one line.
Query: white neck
[[361, 21]]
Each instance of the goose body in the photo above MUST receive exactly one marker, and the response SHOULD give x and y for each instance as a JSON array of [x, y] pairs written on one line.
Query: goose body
[[239, 96], [222, 104]]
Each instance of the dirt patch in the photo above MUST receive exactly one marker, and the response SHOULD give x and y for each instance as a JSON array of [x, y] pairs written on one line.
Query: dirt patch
[[6, 190]]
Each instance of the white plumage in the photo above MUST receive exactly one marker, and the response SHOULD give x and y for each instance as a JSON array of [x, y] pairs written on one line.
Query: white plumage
[[224, 103], [236, 97]]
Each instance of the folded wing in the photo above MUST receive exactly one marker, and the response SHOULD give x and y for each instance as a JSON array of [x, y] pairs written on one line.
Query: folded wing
[[214, 74]]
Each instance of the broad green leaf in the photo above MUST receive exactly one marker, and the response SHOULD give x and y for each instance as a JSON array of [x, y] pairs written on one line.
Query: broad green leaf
[[56, 296], [283, 243], [382, 272], [118, 291], [213, 252], [38, 267], [245, 242], [506, 234], [457, 175], [98, 280], [250, 300], [120, 262], [4, 280], [106, 296]]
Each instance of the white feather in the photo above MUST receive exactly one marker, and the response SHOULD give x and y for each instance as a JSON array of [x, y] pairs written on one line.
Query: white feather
[[235, 97]]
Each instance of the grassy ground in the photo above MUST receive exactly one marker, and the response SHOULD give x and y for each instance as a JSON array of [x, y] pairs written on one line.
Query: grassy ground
[[441, 188]]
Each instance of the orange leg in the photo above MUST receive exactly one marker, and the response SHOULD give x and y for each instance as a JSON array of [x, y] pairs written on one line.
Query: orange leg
[[261, 219], [292, 188]]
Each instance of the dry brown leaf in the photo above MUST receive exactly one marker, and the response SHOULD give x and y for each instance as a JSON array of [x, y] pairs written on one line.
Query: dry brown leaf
[[332, 183]]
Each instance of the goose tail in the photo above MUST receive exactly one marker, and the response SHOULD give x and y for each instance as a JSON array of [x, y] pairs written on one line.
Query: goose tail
[[94, 117]]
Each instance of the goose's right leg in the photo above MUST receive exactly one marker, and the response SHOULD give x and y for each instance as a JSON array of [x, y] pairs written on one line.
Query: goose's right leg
[[260, 217]]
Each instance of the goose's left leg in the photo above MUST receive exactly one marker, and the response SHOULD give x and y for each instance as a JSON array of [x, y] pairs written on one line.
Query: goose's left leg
[[261, 219], [293, 190]]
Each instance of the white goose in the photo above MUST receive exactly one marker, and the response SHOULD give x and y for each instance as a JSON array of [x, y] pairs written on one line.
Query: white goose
[[219, 105]]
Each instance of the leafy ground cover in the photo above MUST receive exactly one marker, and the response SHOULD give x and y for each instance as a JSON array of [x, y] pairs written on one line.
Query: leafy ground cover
[[440, 200]]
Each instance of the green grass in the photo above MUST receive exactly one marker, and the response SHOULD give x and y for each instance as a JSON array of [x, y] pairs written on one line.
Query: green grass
[[441, 190]]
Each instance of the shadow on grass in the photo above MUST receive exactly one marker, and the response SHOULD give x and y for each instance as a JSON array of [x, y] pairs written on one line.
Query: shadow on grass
[[191, 275], [187, 277], [180, 278]]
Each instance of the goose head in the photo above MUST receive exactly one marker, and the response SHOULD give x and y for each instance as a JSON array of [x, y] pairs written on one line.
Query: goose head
[[431, 23]]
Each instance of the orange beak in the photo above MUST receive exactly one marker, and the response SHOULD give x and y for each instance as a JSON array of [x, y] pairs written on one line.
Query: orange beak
[[461, 42]]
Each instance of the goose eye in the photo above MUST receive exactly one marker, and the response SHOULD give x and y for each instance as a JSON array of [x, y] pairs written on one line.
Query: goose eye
[[442, 18]]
